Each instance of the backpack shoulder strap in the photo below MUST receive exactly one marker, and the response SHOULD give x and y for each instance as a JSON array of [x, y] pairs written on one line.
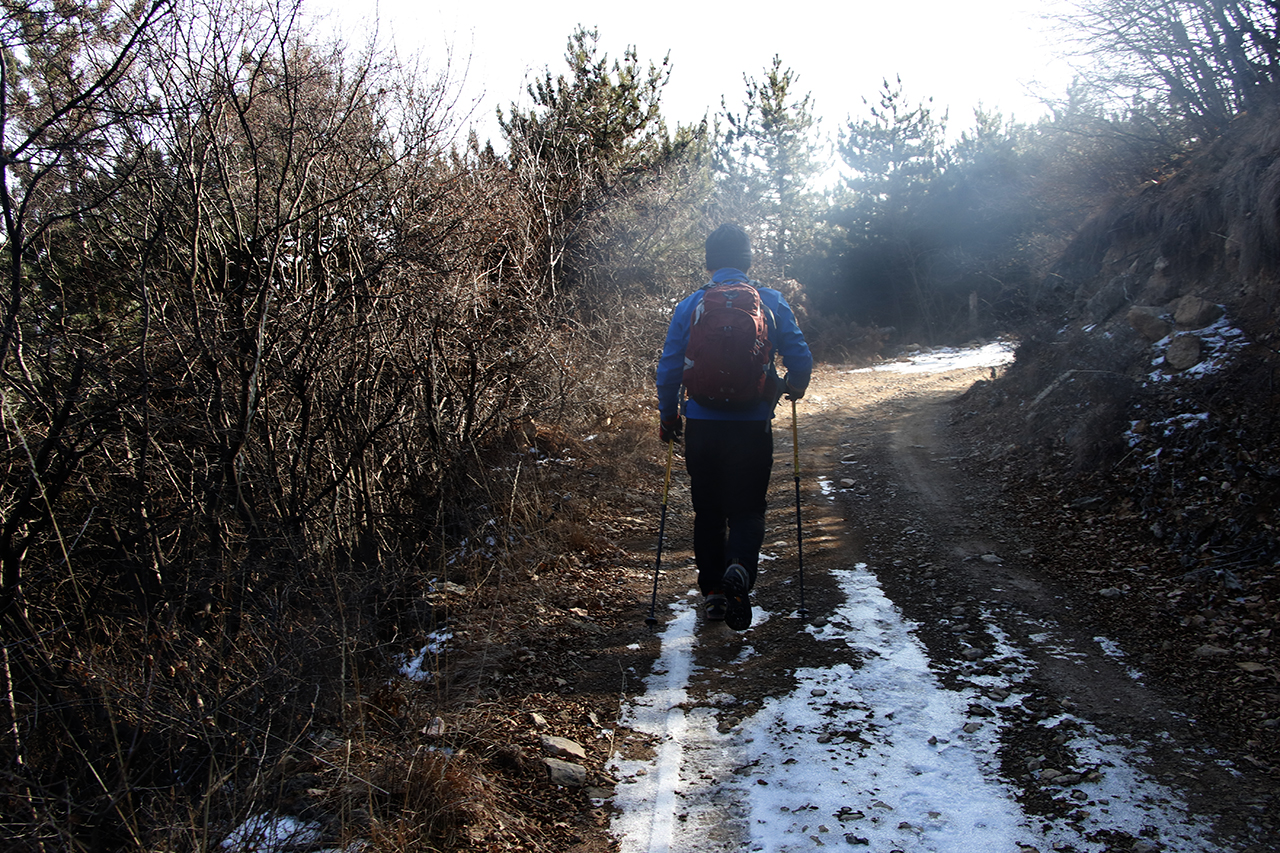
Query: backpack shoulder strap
[[768, 313]]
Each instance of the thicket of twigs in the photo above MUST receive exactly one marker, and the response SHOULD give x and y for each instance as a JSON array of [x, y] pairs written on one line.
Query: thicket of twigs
[[265, 323]]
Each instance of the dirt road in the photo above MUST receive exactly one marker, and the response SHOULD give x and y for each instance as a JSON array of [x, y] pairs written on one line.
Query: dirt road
[[940, 696]]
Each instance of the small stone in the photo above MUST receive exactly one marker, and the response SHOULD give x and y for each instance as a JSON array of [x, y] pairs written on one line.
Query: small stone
[[1184, 351], [1192, 312], [991, 558], [565, 773], [971, 653], [970, 728], [563, 747], [1111, 592], [817, 691], [539, 721]]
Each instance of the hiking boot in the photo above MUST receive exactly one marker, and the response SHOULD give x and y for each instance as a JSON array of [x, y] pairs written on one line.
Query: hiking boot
[[716, 605], [737, 589]]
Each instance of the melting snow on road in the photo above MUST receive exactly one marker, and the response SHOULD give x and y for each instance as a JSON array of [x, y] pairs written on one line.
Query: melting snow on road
[[875, 753], [948, 358]]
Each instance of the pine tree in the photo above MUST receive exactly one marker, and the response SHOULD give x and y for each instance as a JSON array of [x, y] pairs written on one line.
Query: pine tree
[[593, 138], [895, 158], [768, 161]]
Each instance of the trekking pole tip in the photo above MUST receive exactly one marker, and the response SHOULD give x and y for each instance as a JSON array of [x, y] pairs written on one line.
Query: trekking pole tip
[[651, 621]]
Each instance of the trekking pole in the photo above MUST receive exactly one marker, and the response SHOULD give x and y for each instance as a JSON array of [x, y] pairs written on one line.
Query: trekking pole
[[652, 620], [795, 457]]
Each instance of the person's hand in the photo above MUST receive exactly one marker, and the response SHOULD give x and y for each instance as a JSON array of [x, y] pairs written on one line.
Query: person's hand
[[792, 393], [671, 430]]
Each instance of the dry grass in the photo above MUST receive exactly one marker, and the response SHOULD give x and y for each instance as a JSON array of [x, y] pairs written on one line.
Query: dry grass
[[168, 728]]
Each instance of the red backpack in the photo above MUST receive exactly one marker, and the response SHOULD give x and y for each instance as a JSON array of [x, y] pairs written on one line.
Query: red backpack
[[727, 363]]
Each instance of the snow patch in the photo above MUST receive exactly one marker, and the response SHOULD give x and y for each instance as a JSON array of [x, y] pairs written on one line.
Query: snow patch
[[875, 753], [417, 667], [945, 359], [1219, 342], [265, 833]]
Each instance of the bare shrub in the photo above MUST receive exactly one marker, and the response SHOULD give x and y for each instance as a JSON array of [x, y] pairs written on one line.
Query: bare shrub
[[841, 341], [284, 410], [244, 440]]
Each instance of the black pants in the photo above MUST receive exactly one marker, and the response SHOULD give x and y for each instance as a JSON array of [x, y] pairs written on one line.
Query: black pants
[[729, 464]]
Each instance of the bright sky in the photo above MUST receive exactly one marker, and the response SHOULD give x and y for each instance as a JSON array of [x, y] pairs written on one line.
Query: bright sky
[[996, 52]]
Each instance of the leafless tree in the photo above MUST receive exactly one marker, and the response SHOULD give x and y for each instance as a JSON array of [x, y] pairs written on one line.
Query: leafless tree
[[264, 321], [70, 117], [235, 393], [1204, 59]]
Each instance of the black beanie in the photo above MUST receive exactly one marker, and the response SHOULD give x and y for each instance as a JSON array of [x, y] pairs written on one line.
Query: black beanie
[[729, 246]]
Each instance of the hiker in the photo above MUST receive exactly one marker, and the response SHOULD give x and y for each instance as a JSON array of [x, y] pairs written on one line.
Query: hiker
[[728, 435]]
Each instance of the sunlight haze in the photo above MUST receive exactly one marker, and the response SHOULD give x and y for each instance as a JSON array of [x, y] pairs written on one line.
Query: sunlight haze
[[996, 53]]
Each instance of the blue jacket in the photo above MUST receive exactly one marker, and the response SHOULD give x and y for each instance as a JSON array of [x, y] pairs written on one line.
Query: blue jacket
[[787, 339]]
